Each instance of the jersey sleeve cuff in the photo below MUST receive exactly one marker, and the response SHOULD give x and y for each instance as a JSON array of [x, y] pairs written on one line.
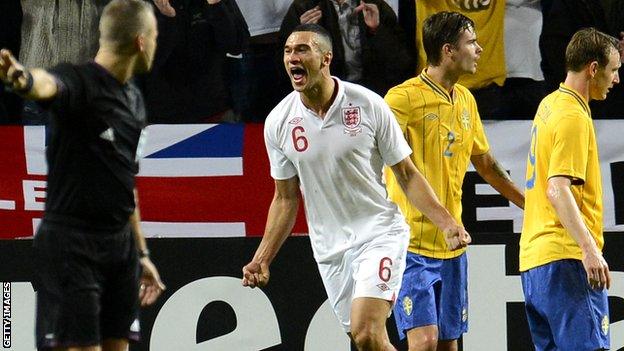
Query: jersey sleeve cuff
[[576, 177], [399, 155], [282, 174]]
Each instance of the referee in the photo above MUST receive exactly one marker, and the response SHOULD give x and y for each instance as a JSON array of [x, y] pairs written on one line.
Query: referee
[[93, 265]]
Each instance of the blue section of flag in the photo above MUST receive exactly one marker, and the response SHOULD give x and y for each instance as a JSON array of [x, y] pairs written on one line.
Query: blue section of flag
[[224, 140]]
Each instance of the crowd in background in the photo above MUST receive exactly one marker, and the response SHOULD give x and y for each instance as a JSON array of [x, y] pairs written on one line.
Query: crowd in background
[[220, 60]]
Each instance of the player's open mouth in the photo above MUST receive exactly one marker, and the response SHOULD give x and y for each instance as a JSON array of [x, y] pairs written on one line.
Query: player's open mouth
[[298, 74]]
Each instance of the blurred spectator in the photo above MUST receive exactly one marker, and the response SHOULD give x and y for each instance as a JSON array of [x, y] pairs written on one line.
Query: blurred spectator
[[55, 32], [369, 45], [10, 22], [488, 16], [59, 31], [546, 4], [10, 25], [252, 76], [563, 20], [263, 17], [407, 21], [615, 18], [186, 84], [394, 4], [524, 86], [614, 105]]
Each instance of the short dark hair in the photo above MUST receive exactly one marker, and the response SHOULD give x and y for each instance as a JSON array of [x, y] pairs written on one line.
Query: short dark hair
[[122, 21], [588, 45], [443, 28], [315, 28]]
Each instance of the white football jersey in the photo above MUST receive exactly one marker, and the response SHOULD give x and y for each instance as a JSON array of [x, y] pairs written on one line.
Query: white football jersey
[[339, 162]]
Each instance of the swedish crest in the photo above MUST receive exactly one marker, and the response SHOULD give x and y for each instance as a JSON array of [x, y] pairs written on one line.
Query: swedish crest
[[605, 325], [465, 120], [351, 119], [407, 305]]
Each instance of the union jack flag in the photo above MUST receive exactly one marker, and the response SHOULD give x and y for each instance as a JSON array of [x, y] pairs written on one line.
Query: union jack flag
[[209, 180]]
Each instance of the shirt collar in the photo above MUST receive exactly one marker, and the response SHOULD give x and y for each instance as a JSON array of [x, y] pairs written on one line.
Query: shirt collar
[[581, 100], [437, 88]]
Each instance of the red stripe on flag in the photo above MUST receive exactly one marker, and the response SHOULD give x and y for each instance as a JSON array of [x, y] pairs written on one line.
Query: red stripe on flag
[[18, 222], [243, 198]]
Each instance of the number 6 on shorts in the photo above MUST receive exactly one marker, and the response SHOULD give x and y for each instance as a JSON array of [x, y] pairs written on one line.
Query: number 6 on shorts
[[384, 269]]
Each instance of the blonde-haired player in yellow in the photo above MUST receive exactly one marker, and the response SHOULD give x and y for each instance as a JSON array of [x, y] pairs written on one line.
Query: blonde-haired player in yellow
[[564, 274], [439, 118]]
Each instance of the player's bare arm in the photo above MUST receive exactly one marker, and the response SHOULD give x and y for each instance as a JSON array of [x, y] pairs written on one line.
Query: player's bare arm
[[280, 221], [151, 284], [422, 196], [493, 173], [560, 196], [32, 84]]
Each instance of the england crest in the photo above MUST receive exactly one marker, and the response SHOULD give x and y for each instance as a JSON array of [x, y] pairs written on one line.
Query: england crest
[[351, 119]]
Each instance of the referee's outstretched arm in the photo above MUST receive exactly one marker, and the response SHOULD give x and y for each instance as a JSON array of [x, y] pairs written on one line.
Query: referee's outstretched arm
[[31, 84]]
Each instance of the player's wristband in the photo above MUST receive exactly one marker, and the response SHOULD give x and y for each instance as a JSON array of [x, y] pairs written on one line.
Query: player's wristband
[[144, 253]]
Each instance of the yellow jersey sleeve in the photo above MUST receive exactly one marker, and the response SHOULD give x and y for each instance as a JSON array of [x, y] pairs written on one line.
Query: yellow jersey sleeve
[[401, 105], [570, 148], [481, 144]]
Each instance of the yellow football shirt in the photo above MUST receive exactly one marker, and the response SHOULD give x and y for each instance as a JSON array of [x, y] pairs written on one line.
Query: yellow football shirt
[[563, 143], [444, 131], [488, 17]]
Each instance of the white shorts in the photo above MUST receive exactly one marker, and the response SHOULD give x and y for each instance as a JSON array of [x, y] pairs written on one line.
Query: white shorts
[[374, 269]]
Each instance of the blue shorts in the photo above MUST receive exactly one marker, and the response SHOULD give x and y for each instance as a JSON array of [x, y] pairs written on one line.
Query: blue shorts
[[563, 312], [433, 292]]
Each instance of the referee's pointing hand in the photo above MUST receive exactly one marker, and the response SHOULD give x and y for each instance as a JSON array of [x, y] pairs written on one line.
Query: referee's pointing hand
[[11, 71]]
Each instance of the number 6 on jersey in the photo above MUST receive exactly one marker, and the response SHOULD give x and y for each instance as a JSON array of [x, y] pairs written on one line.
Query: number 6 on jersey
[[299, 140]]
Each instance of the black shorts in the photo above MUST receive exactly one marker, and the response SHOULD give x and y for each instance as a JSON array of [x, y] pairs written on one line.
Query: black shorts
[[87, 286]]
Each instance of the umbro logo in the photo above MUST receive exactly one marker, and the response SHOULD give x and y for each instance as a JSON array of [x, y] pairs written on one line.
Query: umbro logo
[[383, 287], [296, 120], [108, 135]]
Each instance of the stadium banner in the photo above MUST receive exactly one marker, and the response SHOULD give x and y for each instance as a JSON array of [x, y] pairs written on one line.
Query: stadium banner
[[206, 308], [212, 180]]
